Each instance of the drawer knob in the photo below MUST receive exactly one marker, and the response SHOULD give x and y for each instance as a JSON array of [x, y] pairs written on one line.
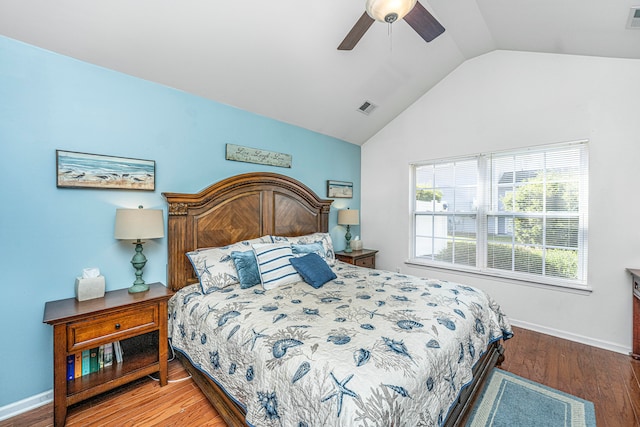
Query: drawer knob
[[117, 325]]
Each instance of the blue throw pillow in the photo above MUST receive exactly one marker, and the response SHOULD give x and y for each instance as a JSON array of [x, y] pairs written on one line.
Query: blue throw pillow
[[313, 269], [247, 267]]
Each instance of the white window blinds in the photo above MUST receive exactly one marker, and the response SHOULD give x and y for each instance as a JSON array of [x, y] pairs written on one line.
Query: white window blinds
[[511, 213]]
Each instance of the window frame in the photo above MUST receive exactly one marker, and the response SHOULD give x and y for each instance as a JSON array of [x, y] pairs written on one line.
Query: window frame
[[484, 212]]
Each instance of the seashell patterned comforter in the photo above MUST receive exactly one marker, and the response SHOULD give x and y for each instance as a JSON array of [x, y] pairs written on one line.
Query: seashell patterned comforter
[[370, 348]]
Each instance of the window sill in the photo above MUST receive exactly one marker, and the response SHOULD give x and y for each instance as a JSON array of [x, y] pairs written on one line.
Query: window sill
[[542, 282]]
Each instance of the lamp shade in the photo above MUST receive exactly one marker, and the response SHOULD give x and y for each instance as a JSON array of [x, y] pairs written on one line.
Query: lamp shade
[[349, 217], [389, 10], [132, 224]]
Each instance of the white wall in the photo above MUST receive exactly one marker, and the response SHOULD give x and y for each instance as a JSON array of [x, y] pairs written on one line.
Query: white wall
[[510, 99]]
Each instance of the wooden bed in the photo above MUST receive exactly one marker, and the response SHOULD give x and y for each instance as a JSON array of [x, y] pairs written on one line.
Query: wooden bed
[[248, 206]]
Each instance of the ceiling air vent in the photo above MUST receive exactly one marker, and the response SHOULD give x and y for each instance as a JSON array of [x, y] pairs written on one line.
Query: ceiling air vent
[[633, 22], [367, 108]]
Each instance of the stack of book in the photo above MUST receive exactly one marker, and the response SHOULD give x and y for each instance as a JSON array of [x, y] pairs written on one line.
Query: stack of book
[[93, 360]]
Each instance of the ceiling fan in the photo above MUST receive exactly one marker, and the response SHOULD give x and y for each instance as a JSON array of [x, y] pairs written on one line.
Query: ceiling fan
[[390, 11]]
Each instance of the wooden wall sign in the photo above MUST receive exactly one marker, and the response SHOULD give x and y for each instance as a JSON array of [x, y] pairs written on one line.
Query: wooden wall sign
[[239, 153]]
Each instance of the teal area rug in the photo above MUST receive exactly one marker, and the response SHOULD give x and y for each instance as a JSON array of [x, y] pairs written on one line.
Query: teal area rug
[[509, 400]]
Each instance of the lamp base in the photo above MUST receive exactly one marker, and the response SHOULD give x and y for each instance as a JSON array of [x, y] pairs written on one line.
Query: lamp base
[[138, 288], [347, 237], [138, 261]]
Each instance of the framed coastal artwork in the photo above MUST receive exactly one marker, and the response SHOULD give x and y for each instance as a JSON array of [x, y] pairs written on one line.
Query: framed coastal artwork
[[83, 170], [340, 189]]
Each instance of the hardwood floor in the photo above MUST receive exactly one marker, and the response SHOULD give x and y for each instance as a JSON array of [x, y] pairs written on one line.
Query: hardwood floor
[[610, 380], [140, 403]]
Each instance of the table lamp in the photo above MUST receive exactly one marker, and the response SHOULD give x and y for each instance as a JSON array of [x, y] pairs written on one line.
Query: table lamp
[[137, 224], [348, 217]]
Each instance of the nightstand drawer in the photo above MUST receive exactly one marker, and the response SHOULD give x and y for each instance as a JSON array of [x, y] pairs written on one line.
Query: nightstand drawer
[[368, 262], [111, 327], [361, 258]]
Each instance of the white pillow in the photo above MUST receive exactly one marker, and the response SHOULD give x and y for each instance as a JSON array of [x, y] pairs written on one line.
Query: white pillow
[[214, 266], [324, 238], [274, 266]]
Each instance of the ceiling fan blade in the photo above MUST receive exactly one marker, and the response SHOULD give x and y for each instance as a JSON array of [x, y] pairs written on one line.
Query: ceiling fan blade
[[356, 32], [424, 23]]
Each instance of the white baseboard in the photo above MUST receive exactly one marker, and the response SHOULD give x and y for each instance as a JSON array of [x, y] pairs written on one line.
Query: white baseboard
[[24, 405], [571, 337]]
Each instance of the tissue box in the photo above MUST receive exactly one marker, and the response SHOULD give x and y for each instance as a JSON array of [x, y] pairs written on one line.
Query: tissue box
[[89, 288], [356, 245]]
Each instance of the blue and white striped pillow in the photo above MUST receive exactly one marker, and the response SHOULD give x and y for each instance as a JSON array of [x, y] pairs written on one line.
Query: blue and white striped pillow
[[273, 263]]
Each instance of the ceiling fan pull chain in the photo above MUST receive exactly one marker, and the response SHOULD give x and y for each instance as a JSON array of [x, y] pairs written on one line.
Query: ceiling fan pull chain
[[390, 34]]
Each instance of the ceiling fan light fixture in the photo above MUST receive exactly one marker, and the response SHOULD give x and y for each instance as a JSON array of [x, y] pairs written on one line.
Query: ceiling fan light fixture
[[389, 10]]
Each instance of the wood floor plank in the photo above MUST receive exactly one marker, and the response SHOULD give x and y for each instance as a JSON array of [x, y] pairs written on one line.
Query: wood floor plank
[[582, 374], [539, 363], [631, 384], [133, 404], [563, 378], [175, 403], [610, 380], [201, 415]]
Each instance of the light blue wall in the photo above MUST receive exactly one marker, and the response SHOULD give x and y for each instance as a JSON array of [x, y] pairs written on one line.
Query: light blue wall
[[48, 235]]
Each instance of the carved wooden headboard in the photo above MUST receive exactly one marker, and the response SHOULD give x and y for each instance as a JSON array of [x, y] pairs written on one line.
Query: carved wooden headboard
[[238, 208]]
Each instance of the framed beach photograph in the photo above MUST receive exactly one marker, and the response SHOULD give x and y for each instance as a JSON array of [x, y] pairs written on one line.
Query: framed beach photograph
[[83, 170], [340, 189]]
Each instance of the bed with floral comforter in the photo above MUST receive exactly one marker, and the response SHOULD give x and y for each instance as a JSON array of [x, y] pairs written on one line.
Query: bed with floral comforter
[[370, 348]]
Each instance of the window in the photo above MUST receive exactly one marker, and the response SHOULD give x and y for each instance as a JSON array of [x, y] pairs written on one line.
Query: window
[[519, 214]]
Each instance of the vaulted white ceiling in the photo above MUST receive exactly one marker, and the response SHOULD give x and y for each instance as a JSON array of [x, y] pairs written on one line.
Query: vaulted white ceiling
[[279, 59]]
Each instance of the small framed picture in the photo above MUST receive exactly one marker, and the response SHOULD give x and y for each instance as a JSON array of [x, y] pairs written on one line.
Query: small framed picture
[[83, 170], [340, 189]]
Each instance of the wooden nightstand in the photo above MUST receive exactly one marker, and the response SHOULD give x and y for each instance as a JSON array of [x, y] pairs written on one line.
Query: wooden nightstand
[[361, 258], [138, 321]]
